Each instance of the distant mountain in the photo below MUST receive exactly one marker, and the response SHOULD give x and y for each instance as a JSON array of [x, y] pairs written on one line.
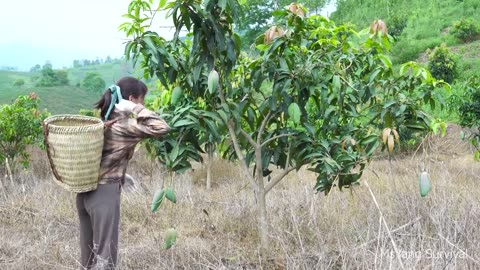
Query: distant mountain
[[23, 56]]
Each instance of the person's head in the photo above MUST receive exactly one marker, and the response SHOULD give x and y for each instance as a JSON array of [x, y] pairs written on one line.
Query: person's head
[[131, 89]]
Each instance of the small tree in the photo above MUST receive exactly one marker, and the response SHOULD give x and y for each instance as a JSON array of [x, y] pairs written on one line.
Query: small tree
[[93, 82], [316, 94], [61, 77], [442, 64], [36, 68], [19, 82], [469, 111], [466, 30], [20, 126], [50, 77]]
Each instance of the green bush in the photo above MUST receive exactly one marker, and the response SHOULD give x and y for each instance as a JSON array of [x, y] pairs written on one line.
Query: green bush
[[93, 82], [19, 82], [20, 126], [442, 64], [50, 77], [466, 30], [396, 24], [90, 112], [469, 111]]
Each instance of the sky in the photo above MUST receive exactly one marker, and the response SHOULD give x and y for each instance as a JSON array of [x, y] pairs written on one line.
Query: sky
[[34, 31], [60, 31]]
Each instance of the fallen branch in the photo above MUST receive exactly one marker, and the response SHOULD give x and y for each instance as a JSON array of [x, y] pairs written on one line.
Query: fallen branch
[[393, 231], [386, 226], [459, 249]]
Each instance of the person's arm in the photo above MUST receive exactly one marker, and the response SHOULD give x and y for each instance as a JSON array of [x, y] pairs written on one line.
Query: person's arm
[[142, 123]]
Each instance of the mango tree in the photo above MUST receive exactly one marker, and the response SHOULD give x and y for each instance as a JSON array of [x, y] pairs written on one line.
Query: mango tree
[[20, 126], [315, 94]]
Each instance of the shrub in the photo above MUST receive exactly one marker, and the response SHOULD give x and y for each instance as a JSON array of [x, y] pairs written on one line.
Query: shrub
[[442, 63], [466, 30], [396, 24], [93, 82], [50, 77], [19, 82], [20, 126], [90, 112], [469, 111]]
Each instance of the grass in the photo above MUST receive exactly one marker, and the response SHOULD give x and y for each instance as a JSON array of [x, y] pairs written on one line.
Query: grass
[[217, 228]]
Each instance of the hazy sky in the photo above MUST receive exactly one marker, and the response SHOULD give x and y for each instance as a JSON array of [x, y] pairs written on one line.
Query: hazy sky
[[34, 31]]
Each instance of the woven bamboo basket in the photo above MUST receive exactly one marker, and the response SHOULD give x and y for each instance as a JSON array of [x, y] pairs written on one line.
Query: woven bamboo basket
[[74, 148]]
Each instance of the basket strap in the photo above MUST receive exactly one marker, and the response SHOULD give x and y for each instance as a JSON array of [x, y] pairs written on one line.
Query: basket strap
[[47, 146]]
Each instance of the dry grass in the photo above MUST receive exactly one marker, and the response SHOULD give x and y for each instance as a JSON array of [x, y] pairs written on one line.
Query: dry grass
[[217, 228]]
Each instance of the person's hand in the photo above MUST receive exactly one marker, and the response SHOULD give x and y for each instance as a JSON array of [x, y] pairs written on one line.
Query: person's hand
[[125, 106]]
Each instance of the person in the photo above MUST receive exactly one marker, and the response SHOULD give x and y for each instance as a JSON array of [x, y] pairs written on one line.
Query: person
[[126, 122]]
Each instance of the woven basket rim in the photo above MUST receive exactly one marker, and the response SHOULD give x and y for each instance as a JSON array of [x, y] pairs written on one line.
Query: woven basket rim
[[50, 121]]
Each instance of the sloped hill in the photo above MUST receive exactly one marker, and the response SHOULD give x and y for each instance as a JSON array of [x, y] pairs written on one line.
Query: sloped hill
[[57, 99], [417, 24], [68, 98]]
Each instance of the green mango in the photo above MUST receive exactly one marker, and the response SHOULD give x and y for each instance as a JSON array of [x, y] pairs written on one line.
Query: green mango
[[176, 95], [213, 80], [294, 112], [170, 194], [424, 182], [157, 199], [170, 238]]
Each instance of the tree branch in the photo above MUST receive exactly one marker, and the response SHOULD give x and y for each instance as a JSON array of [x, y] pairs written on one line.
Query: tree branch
[[262, 127], [277, 179], [249, 138], [276, 137]]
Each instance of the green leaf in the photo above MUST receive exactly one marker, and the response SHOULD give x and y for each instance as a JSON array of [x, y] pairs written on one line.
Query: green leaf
[[336, 83], [157, 199], [183, 122], [174, 154], [415, 126], [294, 112], [162, 3], [150, 44], [385, 60]]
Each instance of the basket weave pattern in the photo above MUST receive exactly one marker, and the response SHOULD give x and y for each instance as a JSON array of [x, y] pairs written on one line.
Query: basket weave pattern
[[74, 147]]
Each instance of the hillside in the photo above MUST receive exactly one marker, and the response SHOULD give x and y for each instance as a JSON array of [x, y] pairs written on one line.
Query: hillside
[[63, 99], [416, 24]]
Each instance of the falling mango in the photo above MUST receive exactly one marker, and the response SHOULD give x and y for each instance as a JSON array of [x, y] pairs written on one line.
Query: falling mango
[[157, 199], [170, 238], [170, 194], [424, 182]]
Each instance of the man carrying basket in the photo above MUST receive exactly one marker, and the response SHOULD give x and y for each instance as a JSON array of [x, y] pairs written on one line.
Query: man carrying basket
[[127, 122]]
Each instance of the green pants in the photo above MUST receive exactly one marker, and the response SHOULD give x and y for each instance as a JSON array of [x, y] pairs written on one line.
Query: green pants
[[99, 213]]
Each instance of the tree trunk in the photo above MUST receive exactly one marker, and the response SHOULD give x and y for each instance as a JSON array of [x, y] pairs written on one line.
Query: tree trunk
[[262, 217], [9, 171], [261, 202], [2, 186], [209, 168]]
